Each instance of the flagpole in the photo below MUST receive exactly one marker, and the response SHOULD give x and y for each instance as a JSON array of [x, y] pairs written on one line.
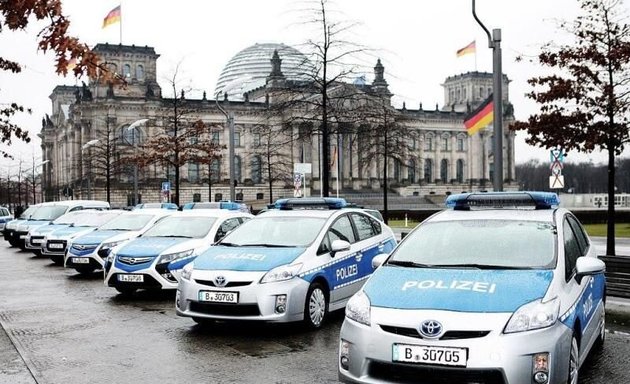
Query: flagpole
[[475, 55], [121, 20]]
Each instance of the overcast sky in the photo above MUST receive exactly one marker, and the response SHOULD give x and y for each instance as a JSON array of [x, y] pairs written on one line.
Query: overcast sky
[[416, 41]]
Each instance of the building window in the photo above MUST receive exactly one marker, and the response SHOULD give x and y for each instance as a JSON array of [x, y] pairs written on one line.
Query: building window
[[444, 170], [126, 71], [396, 169], [215, 140], [131, 136], [414, 144], [193, 172], [445, 141], [215, 170], [237, 168], [428, 143], [237, 139], [460, 171], [139, 72], [481, 96], [460, 144], [256, 169], [256, 139], [411, 171], [428, 170]]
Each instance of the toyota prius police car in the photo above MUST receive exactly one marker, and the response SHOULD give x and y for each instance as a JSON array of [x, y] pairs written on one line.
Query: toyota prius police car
[[88, 252], [295, 262], [501, 288], [36, 235], [154, 260]]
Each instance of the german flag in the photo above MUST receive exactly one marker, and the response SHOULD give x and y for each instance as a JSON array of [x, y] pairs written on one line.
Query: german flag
[[470, 48], [480, 117], [112, 17]]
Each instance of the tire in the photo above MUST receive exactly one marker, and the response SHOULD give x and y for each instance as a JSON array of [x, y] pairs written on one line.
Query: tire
[[203, 322], [58, 260], [37, 252], [85, 270], [315, 306], [574, 362], [126, 291], [599, 343], [13, 243]]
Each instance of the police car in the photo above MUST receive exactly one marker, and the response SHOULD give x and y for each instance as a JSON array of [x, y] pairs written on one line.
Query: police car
[[11, 226], [89, 252], [5, 216], [296, 262], [56, 243], [35, 236], [500, 288], [155, 259]]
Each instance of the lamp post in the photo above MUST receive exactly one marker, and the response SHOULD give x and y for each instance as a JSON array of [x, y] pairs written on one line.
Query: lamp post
[[83, 148], [33, 174], [230, 121], [132, 128]]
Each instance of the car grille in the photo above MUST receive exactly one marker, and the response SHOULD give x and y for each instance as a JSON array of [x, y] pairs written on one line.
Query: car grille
[[422, 374], [56, 250], [135, 260], [225, 309], [449, 335], [230, 284]]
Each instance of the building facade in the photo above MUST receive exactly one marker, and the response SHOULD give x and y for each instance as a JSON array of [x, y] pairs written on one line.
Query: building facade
[[87, 136]]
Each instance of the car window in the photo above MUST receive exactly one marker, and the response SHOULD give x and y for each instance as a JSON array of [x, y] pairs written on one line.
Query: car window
[[580, 235], [364, 227], [180, 226], [342, 230], [277, 231], [225, 227], [500, 243], [377, 226], [571, 249], [4, 212], [128, 222]]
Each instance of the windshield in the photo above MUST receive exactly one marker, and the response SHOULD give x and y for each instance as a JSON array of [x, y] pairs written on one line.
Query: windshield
[[29, 211], [479, 243], [276, 231], [127, 223], [181, 226], [49, 213], [95, 218], [68, 218]]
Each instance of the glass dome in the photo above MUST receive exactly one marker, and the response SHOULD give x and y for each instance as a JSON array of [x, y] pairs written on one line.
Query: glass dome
[[249, 68]]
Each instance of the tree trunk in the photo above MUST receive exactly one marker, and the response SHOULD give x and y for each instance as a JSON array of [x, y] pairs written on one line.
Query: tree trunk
[[610, 232]]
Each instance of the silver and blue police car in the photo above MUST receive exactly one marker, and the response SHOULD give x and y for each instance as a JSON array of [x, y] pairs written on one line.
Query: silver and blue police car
[[295, 262], [9, 232], [89, 252], [155, 259], [5, 217], [56, 243], [501, 288], [35, 236]]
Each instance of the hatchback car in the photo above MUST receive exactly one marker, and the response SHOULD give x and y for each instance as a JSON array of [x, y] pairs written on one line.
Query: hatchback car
[[35, 236], [5, 216], [89, 252], [296, 262], [11, 225], [155, 259], [501, 288]]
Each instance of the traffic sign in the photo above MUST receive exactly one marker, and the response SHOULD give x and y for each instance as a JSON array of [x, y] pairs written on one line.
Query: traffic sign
[[166, 186], [556, 182], [302, 168]]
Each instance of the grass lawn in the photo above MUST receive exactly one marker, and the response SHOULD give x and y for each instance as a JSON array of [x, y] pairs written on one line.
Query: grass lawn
[[621, 230], [401, 224]]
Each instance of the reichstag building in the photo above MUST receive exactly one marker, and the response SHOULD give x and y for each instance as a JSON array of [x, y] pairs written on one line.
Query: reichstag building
[[268, 89]]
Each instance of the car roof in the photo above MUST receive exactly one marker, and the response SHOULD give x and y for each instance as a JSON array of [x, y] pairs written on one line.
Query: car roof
[[543, 215], [219, 213], [323, 213]]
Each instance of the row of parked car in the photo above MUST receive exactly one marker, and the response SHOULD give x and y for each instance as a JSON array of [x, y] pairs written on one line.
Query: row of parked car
[[500, 287]]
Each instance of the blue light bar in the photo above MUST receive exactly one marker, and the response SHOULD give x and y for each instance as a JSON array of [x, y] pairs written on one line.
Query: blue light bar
[[503, 200], [311, 203]]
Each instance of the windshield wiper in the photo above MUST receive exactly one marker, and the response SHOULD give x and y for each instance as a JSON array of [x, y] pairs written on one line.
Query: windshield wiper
[[404, 263], [267, 245], [478, 266], [178, 236], [229, 244]]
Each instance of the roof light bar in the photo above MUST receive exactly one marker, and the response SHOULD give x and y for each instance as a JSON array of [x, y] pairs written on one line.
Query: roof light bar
[[503, 200], [311, 203]]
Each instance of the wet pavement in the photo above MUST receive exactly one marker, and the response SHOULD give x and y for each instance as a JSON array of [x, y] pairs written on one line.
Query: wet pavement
[[59, 327]]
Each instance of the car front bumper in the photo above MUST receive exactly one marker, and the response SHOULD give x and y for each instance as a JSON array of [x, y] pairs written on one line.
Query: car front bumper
[[494, 358]]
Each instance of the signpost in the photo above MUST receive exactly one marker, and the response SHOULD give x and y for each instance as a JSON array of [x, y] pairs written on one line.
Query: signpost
[[556, 180], [166, 191], [299, 178]]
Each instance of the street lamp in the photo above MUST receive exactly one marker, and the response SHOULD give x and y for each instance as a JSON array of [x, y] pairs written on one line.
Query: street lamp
[[84, 147], [132, 128], [230, 120], [34, 168]]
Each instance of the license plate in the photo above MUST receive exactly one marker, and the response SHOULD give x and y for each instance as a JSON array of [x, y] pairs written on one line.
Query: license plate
[[55, 246], [430, 355], [36, 241], [131, 278], [82, 260], [218, 297]]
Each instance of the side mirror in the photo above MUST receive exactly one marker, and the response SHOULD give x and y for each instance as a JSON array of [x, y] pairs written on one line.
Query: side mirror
[[339, 246], [586, 266], [379, 259]]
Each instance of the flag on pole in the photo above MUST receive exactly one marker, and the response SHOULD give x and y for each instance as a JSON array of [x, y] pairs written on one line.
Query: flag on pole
[[72, 63], [480, 117], [470, 48], [112, 17], [333, 157]]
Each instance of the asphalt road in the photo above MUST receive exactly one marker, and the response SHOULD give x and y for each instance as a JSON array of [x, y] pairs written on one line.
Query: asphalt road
[[58, 327]]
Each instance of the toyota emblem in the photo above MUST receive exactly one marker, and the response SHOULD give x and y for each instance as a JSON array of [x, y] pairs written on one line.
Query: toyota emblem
[[430, 328], [220, 281]]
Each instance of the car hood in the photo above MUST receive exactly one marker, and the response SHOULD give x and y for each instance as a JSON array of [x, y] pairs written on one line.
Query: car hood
[[151, 246], [95, 237], [27, 225], [70, 232], [47, 229], [246, 258], [462, 290]]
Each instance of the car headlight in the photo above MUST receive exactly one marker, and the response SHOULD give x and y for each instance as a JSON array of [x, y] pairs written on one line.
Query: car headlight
[[187, 271], [281, 273], [111, 257], [358, 308], [167, 258], [111, 244], [534, 315]]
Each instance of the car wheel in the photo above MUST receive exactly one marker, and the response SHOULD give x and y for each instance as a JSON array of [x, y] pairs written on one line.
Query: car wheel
[[574, 362], [202, 321], [22, 246], [13, 243], [126, 291], [37, 253], [58, 260], [315, 307], [85, 270], [599, 344]]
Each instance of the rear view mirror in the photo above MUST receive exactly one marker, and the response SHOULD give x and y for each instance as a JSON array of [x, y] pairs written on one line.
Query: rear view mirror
[[339, 246], [378, 260]]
